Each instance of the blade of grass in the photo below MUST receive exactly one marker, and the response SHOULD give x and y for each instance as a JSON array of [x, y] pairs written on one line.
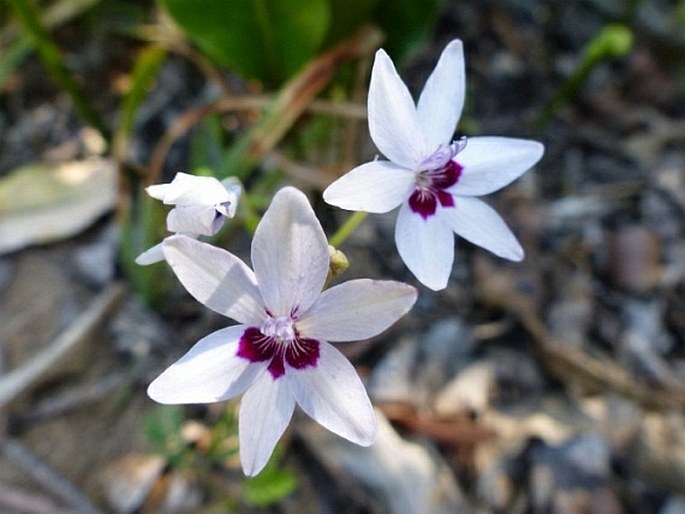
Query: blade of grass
[[292, 101], [144, 72], [21, 46], [13, 58], [613, 41], [52, 59]]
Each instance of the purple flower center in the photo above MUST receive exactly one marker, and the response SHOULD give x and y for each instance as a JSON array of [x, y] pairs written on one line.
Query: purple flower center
[[278, 341], [435, 175]]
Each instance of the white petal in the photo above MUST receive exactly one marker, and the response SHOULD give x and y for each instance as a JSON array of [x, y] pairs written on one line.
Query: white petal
[[265, 411], [290, 253], [490, 163], [477, 222], [332, 393], [151, 256], [378, 186], [442, 99], [393, 121], [426, 246], [158, 191], [210, 371], [194, 219], [215, 278], [235, 189], [357, 309], [188, 189]]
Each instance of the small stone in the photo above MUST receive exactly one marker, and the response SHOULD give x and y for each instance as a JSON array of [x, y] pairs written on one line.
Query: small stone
[[391, 380], [673, 505], [635, 259], [137, 331], [406, 476], [604, 501], [468, 392], [175, 492], [128, 481], [96, 261]]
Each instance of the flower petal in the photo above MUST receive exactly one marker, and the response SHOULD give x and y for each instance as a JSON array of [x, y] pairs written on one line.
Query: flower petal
[[490, 163], [393, 121], [442, 99], [216, 278], [426, 246], [334, 396], [265, 411], [357, 309], [194, 219], [290, 254], [209, 372], [186, 189], [235, 189], [477, 222], [157, 191], [378, 186], [151, 256]]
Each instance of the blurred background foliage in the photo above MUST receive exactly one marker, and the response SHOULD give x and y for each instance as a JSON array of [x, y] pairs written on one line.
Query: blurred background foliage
[[271, 90], [267, 59]]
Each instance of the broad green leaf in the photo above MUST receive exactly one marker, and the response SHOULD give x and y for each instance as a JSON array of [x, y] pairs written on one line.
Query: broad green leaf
[[406, 23], [272, 484], [267, 40], [347, 16]]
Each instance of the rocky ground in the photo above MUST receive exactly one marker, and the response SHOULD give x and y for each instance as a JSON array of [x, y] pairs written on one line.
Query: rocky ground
[[554, 385]]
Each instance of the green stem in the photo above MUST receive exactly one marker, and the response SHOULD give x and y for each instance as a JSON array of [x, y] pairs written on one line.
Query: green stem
[[52, 59], [613, 41], [347, 228]]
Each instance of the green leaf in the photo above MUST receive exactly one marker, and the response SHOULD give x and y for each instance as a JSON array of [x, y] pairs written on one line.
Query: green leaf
[[406, 23], [347, 16], [53, 61], [147, 64], [267, 40], [162, 427], [271, 485]]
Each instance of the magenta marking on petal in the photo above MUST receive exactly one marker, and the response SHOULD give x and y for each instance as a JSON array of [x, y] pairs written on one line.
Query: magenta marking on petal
[[431, 188], [277, 368], [298, 352], [423, 203], [445, 199], [447, 176], [302, 352], [255, 346]]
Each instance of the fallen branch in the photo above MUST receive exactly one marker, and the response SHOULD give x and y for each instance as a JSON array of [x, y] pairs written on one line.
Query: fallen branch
[[562, 359], [27, 502], [46, 476], [22, 378]]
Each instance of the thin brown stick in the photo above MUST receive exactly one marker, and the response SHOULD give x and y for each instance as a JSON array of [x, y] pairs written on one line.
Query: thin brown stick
[[46, 476], [19, 380], [73, 399], [186, 121], [27, 502], [565, 360]]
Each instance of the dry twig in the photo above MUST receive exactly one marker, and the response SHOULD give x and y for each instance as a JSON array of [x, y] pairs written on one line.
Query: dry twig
[[46, 476], [565, 360], [19, 380], [27, 502]]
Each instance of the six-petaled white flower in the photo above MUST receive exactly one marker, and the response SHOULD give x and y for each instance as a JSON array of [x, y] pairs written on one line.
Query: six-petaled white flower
[[433, 179], [201, 206], [280, 353]]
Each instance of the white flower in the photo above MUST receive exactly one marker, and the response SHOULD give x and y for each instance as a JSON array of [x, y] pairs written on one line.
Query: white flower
[[432, 178], [279, 354], [201, 206]]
